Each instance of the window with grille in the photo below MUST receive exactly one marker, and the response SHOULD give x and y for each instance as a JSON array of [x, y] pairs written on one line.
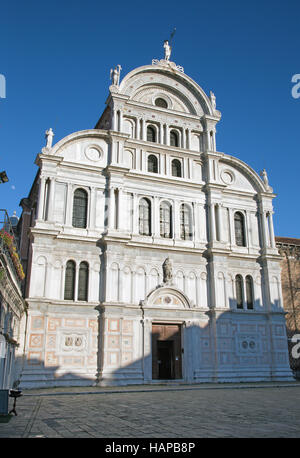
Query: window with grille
[[239, 229], [80, 203], [161, 103], [176, 168], [70, 281], [165, 220], [249, 292], [152, 164], [83, 281], [185, 222], [239, 291], [151, 134], [174, 141], [145, 217]]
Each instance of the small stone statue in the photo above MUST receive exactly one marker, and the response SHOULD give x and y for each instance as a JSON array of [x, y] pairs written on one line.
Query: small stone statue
[[167, 50], [167, 271], [264, 176], [49, 136], [115, 75], [213, 100]]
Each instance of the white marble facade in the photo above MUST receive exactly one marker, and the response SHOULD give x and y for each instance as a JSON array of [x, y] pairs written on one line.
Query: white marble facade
[[223, 295]]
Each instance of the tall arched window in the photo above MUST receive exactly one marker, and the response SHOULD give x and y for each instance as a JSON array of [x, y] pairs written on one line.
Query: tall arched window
[[176, 168], [239, 291], [70, 281], [174, 140], [239, 229], [249, 292], [80, 204], [165, 220], [185, 222], [151, 134], [145, 217], [83, 281], [152, 163]]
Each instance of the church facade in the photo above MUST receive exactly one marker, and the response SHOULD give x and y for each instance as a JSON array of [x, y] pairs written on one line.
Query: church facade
[[151, 256]]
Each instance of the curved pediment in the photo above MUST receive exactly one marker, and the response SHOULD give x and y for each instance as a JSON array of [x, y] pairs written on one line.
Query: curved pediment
[[146, 83], [166, 297]]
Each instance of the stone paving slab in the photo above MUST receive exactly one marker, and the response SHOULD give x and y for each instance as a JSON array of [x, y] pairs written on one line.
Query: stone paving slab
[[254, 410]]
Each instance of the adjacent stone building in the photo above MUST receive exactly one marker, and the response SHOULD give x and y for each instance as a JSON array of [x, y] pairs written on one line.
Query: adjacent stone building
[[12, 306], [150, 254], [289, 248]]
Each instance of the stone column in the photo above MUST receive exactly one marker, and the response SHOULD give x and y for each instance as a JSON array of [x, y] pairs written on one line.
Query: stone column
[[263, 228], [92, 209], [176, 212], [51, 193], [135, 215], [147, 357], [188, 139], [120, 208], [161, 133], [111, 207], [120, 121], [156, 216], [41, 197], [167, 135], [137, 129], [212, 229], [144, 131], [69, 205], [271, 227], [114, 120]]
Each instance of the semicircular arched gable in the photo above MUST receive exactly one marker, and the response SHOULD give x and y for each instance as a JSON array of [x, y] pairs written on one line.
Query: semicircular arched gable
[[176, 82], [166, 297]]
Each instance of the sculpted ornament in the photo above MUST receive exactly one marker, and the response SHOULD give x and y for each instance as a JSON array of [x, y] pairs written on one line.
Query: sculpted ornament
[[49, 134], [115, 75], [213, 100], [264, 176], [168, 49], [166, 61], [167, 271]]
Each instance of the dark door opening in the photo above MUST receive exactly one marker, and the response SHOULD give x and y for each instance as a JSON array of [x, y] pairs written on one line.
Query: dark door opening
[[165, 356], [166, 351]]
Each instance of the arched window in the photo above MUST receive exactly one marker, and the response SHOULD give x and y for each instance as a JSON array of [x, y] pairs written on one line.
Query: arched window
[[83, 281], [70, 281], [185, 222], [161, 103], [165, 220], [239, 291], [80, 203], [174, 140], [239, 229], [152, 164], [176, 168], [249, 292], [151, 134], [145, 217]]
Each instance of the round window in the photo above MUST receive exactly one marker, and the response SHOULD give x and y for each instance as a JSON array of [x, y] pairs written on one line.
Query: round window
[[161, 103]]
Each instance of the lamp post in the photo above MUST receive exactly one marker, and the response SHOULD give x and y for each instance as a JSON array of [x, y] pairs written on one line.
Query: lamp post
[[3, 177]]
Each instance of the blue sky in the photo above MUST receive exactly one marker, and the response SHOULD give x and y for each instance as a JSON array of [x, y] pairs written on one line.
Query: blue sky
[[56, 57]]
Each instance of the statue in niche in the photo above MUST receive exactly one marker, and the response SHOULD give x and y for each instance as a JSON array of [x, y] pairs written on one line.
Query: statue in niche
[[167, 50], [115, 75], [167, 271], [49, 134]]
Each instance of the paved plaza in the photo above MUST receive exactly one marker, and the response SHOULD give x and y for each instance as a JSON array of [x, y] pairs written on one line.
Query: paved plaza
[[255, 410]]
